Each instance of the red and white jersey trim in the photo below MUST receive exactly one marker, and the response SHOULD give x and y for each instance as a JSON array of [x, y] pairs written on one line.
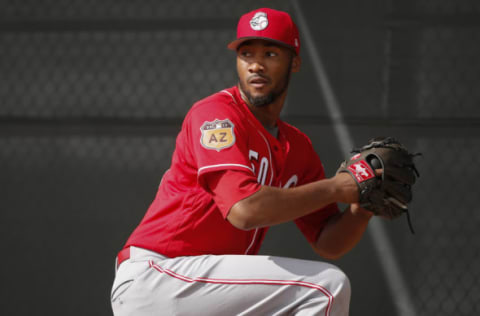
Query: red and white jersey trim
[[188, 279], [225, 91], [252, 242], [221, 166]]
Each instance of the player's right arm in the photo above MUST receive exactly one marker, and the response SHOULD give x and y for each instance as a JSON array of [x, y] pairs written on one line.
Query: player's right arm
[[271, 205], [218, 146]]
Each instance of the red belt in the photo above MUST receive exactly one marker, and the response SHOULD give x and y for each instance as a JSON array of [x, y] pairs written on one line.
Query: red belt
[[123, 255]]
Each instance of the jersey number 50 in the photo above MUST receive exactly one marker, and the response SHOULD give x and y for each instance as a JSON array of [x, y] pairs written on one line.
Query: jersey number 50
[[263, 170], [263, 166]]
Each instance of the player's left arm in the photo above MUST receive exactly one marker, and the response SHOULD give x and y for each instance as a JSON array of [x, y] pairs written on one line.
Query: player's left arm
[[342, 232], [330, 232]]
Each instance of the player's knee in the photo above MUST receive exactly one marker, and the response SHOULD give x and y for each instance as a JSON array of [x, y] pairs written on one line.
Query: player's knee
[[341, 288], [335, 294]]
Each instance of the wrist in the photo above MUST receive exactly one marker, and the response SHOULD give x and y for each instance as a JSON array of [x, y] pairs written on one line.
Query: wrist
[[345, 188]]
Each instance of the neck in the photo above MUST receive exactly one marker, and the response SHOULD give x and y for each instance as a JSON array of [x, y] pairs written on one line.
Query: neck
[[268, 114]]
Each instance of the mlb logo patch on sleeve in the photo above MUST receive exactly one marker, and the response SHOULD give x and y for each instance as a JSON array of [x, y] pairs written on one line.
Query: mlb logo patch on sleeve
[[217, 135]]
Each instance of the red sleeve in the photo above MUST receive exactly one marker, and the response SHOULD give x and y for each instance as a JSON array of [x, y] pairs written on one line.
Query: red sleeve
[[218, 139], [311, 225], [230, 186]]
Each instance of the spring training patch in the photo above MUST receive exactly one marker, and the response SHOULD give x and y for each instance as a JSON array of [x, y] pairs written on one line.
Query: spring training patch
[[217, 135]]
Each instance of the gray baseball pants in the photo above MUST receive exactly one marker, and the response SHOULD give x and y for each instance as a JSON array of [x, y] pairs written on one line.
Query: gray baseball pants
[[151, 284]]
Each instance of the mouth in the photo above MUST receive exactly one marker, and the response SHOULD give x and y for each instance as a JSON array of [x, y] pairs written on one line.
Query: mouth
[[257, 81]]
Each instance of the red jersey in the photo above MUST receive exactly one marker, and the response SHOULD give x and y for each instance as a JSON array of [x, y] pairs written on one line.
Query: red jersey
[[223, 154]]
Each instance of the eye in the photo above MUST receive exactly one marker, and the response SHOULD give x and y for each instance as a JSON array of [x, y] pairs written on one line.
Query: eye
[[245, 53], [271, 54]]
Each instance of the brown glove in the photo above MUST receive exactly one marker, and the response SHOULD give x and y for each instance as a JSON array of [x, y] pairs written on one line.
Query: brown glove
[[386, 195]]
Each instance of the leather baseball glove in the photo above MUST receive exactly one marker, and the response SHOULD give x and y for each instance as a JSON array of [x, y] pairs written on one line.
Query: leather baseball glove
[[388, 194]]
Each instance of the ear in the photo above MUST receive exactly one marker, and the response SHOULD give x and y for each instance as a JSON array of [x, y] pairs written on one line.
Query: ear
[[296, 62]]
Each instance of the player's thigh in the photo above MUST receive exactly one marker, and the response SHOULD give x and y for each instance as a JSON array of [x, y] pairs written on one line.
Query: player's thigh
[[130, 293], [249, 285]]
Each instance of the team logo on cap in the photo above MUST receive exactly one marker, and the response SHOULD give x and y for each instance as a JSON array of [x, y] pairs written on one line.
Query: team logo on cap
[[217, 135], [259, 21]]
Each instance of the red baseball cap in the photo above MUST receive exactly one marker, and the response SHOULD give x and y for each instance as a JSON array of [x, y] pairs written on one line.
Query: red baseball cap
[[268, 24]]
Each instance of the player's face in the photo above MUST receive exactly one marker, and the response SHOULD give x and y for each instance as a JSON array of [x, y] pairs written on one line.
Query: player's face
[[264, 71]]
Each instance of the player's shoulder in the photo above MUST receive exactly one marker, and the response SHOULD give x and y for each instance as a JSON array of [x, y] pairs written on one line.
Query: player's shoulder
[[220, 101], [218, 107], [295, 134], [304, 153]]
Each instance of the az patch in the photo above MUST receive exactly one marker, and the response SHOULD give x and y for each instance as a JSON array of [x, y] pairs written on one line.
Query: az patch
[[217, 135]]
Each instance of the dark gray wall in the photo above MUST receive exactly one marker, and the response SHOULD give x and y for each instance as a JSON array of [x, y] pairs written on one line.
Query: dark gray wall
[[92, 95]]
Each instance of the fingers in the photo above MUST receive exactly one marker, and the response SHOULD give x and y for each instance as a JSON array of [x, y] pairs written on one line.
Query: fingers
[[356, 209]]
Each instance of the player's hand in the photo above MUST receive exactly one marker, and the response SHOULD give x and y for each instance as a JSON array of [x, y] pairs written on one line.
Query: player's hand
[[346, 189], [389, 194], [360, 212]]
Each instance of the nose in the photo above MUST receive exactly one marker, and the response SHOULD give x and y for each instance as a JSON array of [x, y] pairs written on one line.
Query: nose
[[256, 66]]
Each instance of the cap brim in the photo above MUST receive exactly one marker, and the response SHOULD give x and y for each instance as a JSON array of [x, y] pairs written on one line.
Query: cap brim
[[236, 43]]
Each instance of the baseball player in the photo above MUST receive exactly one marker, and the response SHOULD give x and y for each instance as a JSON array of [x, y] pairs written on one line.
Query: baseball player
[[236, 170]]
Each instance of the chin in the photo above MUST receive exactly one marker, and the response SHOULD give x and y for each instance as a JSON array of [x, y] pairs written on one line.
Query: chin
[[255, 94], [259, 92]]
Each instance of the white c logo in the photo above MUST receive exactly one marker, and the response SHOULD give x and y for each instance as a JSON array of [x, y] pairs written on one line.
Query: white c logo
[[259, 21]]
